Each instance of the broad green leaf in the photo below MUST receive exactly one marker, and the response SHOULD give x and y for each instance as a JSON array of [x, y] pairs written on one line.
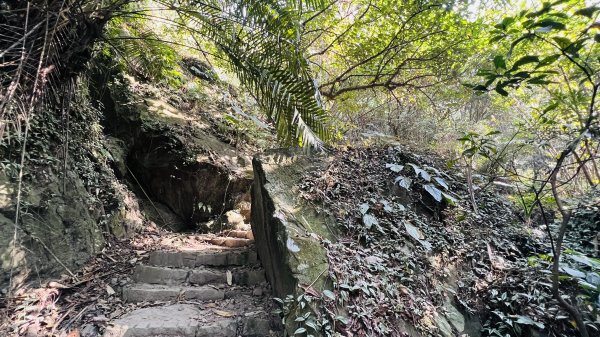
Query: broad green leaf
[[572, 272], [434, 191], [524, 320], [549, 23], [449, 199], [329, 294], [416, 234], [549, 60], [499, 62], [404, 182], [369, 220], [420, 172], [500, 89], [525, 60], [342, 319], [539, 80], [299, 331], [578, 257], [394, 167], [562, 42], [588, 11], [441, 182], [413, 231]]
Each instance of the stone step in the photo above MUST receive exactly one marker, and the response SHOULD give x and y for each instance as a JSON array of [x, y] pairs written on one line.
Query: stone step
[[186, 320], [192, 259], [200, 276], [142, 292], [232, 242], [240, 234]]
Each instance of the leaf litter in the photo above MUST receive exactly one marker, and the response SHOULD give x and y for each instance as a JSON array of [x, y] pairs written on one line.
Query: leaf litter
[[403, 251]]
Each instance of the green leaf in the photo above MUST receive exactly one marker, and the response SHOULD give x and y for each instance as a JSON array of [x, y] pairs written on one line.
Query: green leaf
[[329, 294], [501, 91], [497, 38], [550, 107], [499, 62], [441, 182], [519, 40], [525, 60], [369, 220], [416, 234], [562, 42], [342, 319], [549, 60], [538, 80], [572, 272], [588, 11], [413, 231], [449, 199], [404, 182], [420, 172], [433, 191], [299, 331], [394, 167], [551, 24], [524, 320]]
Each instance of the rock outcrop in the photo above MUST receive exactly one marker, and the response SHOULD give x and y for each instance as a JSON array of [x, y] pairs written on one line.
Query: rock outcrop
[[288, 232], [173, 156], [57, 232]]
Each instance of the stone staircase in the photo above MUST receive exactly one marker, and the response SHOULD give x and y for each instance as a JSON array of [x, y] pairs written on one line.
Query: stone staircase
[[219, 291]]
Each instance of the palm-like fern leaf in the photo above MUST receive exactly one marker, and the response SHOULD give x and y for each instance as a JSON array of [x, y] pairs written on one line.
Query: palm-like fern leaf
[[261, 39]]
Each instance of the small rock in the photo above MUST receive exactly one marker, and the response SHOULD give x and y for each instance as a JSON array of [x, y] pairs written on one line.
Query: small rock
[[257, 291], [100, 318], [245, 210], [234, 218], [89, 330]]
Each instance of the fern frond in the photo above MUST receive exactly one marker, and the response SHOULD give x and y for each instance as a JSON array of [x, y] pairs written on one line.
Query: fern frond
[[262, 41]]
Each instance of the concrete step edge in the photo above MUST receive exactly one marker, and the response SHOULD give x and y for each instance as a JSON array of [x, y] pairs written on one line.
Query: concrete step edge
[[181, 276]]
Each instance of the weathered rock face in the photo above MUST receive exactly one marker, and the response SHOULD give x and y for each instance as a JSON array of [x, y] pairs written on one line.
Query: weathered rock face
[[194, 190], [287, 231], [58, 230], [173, 156]]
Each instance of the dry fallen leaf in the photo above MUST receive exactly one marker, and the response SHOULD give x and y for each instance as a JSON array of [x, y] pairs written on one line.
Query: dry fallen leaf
[[56, 285], [110, 290], [223, 313]]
